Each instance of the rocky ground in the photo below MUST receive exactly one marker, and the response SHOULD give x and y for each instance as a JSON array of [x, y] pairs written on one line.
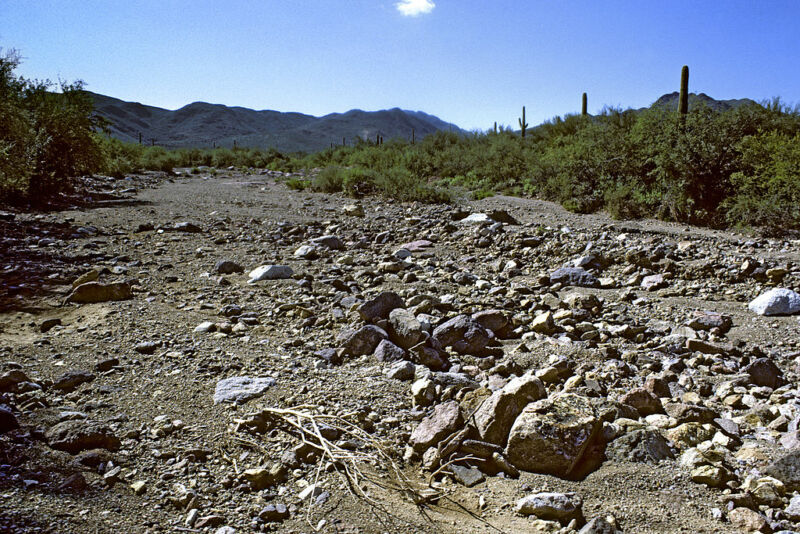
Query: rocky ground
[[221, 354]]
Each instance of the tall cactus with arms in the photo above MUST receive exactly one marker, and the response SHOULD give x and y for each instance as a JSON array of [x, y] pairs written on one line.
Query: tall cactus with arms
[[522, 124]]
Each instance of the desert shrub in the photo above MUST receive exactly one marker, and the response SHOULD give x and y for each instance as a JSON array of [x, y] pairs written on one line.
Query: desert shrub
[[329, 179], [46, 137], [767, 188], [297, 184]]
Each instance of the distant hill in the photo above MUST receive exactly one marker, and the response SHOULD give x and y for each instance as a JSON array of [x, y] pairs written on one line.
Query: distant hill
[[205, 125], [670, 101]]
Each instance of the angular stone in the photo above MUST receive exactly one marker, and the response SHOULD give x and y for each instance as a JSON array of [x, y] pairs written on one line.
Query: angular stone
[[764, 372], [561, 507], [653, 282], [786, 469], [559, 436], [423, 392], [445, 420], [706, 320], [362, 341], [646, 446], [401, 370], [273, 513], [493, 320], [380, 306], [777, 301], [404, 329], [495, 417], [709, 475], [643, 401], [328, 241], [747, 520], [70, 380], [386, 351], [687, 413], [227, 267], [8, 420], [573, 276], [80, 435], [270, 272], [543, 324], [468, 476], [239, 389], [91, 292], [464, 335]]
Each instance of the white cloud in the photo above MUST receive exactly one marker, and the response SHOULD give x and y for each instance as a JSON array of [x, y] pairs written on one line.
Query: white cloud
[[413, 8]]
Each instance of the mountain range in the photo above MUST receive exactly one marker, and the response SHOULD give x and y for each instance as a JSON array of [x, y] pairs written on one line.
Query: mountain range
[[204, 125]]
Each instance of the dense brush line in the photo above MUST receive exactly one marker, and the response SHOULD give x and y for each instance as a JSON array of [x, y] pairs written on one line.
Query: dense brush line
[[739, 167]]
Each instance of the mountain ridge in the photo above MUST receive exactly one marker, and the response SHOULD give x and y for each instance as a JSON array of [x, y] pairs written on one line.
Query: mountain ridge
[[203, 125]]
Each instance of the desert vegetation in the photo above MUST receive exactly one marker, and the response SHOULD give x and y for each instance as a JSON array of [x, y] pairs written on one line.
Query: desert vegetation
[[739, 167]]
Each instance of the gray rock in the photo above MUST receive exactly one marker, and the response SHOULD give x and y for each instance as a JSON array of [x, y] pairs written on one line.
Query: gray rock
[[361, 341], [653, 282], [187, 227], [793, 510], [468, 476], [328, 241], [600, 525], [493, 320], [273, 513], [146, 347], [380, 306], [8, 420], [445, 419], [561, 507], [559, 436], [786, 469], [764, 372], [91, 292], [777, 301], [573, 276], [227, 267], [270, 272], [690, 413], [645, 446], [81, 435], [401, 370], [240, 389], [706, 320], [465, 335], [70, 380], [386, 351], [495, 417], [404, 329], [306, 252], [643, 401], [205, 327]]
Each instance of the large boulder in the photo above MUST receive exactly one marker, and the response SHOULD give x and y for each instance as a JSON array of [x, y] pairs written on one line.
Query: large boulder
[[495, 417], [777, 301], [786, 469], [445, 419], [465, 335], [96, 292], [559, 436]]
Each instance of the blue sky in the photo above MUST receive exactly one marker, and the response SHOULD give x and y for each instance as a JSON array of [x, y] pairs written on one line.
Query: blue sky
[[471, 62]]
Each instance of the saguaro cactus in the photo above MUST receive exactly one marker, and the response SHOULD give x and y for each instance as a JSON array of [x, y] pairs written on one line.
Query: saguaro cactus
[[495, 127], [522, 124], [584, 102], [683, 100]]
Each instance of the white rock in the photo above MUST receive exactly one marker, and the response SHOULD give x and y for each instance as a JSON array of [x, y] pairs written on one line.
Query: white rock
[[270, 272], [241, 388], [777, 301]]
